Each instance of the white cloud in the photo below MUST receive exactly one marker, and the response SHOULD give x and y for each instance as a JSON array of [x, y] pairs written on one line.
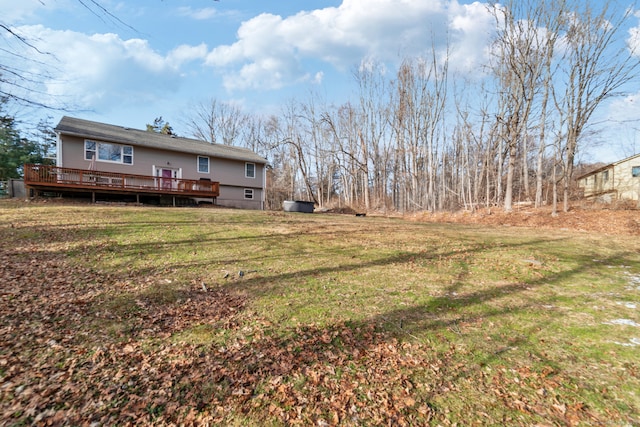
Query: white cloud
[[96, 69], [633, 41], [270, 50], [273, 51], [185, 53], [471, 28], [198, 14], [625, 110]]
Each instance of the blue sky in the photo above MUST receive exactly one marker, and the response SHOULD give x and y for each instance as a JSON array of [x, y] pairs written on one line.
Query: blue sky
[[259, 54], [161, 57]]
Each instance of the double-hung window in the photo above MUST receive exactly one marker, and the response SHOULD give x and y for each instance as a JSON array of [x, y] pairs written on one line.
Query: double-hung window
[[635, 171], [127, 154], [108, 152], [250, 170], [90, 149], [203, 164]]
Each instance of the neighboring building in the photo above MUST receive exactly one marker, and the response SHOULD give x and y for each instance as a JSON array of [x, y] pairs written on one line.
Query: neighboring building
[[613, 182], [171, 162]]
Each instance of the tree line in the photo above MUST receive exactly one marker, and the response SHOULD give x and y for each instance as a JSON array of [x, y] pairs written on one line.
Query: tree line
[[18, 147], [426, 139]]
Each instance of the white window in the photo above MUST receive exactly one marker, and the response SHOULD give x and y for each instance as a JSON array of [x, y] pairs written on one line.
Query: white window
[[89, 149], [250, 170], [248, 193], [107, 152], [127, 154], [203, 164]]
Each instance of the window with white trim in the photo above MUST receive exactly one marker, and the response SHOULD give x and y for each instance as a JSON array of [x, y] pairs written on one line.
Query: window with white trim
[[108, 152], [89, 149], [248, 193], [250, 170], [203, 164]]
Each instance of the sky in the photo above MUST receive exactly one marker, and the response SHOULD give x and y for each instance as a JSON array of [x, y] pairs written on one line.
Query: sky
[[151, 58]]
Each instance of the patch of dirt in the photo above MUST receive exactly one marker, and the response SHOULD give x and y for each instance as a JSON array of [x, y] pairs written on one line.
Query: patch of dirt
[[590, 219]]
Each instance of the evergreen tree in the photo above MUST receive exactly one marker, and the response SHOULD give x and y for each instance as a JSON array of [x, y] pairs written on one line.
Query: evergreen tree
[[15, 150], [160, 126]]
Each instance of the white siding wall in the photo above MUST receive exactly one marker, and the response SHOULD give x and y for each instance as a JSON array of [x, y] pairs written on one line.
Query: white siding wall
[[626, 184], [614, 183]]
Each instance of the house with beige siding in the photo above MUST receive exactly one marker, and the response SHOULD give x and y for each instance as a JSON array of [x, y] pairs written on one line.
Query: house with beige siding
[[119, 159], [614, 182]]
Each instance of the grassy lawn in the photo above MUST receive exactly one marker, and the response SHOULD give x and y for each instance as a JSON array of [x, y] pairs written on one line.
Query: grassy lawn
[[135, 315]]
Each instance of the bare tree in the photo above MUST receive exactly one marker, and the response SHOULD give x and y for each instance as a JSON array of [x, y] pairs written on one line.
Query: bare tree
[[319, 150], [281, 172], [343, 127], [418, 115], [218, 122], [519, 50], [547, 43], [298, 150], [596, 66], [373, 116]]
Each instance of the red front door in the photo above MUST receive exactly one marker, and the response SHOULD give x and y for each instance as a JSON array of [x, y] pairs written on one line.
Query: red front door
[[167, 174]]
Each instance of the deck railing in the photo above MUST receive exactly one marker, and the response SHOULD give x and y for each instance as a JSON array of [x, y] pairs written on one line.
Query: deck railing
[[45, 176]]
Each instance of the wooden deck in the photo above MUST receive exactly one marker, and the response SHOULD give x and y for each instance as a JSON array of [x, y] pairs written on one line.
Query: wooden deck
[[53, 178]]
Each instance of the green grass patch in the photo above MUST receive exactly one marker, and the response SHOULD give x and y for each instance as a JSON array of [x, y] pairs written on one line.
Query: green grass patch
[[511, 325]]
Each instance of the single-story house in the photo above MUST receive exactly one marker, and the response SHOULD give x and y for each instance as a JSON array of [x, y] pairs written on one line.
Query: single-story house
[[119, 159], [613, 182]]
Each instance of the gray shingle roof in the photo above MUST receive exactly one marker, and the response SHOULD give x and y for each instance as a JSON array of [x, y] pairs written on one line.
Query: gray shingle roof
[[111, 133]]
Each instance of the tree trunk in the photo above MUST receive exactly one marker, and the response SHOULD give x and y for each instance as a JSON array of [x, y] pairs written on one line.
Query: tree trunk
[[508, 194]]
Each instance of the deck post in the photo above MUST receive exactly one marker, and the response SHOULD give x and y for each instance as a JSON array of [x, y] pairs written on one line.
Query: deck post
[[93, 197], [174, 201]]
